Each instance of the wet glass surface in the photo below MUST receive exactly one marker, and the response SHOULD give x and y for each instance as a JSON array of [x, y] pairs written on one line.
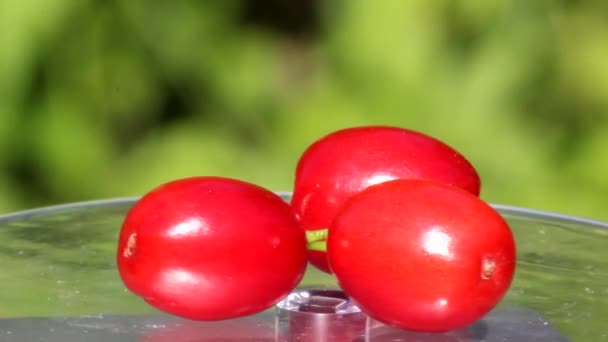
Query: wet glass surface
[[59, 283]]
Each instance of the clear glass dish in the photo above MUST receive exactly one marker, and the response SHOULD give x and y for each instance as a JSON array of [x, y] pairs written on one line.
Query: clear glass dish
[[59, 283]]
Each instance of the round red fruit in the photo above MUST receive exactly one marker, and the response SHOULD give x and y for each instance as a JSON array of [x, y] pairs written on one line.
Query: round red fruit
[[343, 163], [420, 255], [211, 248]]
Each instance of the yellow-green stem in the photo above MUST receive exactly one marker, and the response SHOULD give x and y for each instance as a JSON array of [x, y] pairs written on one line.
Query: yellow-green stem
[[316, 235], [317, 240], [320, 246]]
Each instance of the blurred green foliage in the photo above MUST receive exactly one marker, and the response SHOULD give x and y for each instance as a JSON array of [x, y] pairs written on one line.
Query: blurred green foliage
[[111, 98]]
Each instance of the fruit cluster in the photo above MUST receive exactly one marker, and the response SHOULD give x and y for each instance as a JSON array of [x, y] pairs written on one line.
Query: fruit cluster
[[393, 214]]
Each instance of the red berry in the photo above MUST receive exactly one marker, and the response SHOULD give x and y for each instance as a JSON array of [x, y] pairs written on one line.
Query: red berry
[[211, 248], [343, 163], [421, 255]]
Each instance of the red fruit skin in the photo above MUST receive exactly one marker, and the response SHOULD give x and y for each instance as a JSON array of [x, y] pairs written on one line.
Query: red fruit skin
[[421, 256], [211, 248], [343, 163]]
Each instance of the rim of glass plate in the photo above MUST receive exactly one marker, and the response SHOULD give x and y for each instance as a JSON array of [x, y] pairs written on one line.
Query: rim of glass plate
[[505, 210]]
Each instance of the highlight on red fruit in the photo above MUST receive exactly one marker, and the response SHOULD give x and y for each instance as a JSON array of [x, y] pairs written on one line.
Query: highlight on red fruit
[[420, 255], [344, 162], [211, 248]]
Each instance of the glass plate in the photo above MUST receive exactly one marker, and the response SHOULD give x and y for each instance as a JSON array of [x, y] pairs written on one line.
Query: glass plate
[[59, 283]]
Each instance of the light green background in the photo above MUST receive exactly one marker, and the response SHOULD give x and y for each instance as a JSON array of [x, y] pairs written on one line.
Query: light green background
[[111, 98]]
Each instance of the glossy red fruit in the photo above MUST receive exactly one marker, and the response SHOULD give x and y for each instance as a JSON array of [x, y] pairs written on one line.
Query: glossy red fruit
[[421, 255], [210, 248], [341, 164]]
